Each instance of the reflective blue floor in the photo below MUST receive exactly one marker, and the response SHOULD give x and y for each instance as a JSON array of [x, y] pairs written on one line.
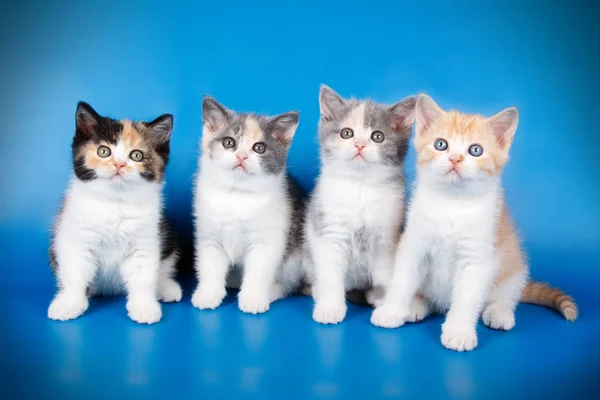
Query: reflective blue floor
[[284, 354]]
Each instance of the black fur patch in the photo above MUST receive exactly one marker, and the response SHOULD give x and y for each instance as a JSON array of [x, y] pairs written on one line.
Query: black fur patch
[[168, 243]]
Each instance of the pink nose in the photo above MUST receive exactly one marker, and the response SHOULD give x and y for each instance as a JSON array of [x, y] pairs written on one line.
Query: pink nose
[[242, 156], [456, 159], [360, 146], [119, 165]]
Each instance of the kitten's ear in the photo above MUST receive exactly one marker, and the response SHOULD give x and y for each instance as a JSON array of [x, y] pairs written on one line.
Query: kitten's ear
[[160, 129], [214, 115], [504, 126], [332, 104], [426, 112], [86, 119], [403, 114], [283, 127]]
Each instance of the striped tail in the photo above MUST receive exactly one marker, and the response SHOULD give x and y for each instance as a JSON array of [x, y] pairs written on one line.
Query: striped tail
[[543, 295]]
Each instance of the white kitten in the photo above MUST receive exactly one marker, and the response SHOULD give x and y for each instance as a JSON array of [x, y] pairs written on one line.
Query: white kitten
[[460, 249], [111, 236], [247, 209], [355, 213]]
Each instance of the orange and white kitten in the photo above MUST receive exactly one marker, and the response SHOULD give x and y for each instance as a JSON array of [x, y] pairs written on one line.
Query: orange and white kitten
[[460, 251]]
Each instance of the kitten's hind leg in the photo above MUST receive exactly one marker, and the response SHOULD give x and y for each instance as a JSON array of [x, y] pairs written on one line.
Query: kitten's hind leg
[[169, 290], [499, 312]]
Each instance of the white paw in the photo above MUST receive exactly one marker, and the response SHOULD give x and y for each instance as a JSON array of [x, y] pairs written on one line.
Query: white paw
[[208, 299], [66, 306], [329, 313], [419, 309], [169, 291], [253, 302], [459, 339], [387, 316], [144, 310], [498, 316]]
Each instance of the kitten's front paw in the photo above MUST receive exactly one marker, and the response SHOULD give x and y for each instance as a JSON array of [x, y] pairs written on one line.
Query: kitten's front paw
[[208, 299], [329, 313], [253, 302], [498, 316], [169, 291], [144, 310], [66, 306], [387, 316], [419, 309], [458, 339]]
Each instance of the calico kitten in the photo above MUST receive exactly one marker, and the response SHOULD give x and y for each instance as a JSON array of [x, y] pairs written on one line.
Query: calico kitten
[[460, 248], [248, 209], [355, 213], [111, 235]]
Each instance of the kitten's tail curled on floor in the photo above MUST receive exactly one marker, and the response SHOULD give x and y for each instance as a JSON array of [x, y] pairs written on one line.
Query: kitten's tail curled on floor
[[356, 296], [544, 295]]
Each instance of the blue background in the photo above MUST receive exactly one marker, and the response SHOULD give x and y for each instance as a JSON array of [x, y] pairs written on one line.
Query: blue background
[[144, 58]]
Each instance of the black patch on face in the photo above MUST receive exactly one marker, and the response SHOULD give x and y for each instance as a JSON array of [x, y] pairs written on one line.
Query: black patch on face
[[90, 127], [82, 172], [148, 175]]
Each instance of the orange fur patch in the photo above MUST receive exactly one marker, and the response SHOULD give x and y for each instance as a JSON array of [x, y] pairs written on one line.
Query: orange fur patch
[[470, 128]]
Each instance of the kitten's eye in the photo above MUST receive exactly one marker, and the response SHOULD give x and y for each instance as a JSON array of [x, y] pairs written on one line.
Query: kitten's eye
[[377, 137], [228, 142], [346, 133], [259, 147], [103, 151], [136, 155], [441, 145], [476, 150]]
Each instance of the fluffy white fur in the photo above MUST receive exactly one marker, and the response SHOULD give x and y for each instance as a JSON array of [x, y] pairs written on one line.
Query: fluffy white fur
[[448, 251], [450, 240], [242, 221], [338, 264], [107, 240], [352, 195]]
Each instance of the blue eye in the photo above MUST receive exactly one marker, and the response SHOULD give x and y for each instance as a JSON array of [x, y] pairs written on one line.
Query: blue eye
[[440, 145], [475, 150]]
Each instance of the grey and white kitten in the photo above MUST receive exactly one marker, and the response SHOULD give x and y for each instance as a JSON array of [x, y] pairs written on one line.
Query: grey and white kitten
[[248, 209], [355, 213]]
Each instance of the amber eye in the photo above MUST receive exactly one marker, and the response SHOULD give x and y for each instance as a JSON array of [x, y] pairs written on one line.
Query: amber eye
[[228, 142], [440, 145], [136, 155], [259, 147], [377, 137], [103, 151], [475, 150], [346, 133]]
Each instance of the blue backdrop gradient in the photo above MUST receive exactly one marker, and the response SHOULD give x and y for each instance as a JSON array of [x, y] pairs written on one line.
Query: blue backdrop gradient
[[139, 59]]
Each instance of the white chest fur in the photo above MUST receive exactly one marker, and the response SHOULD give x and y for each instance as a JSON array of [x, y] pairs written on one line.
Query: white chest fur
[[455, 229], [362, 215], [108, 227], [236, 218]]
